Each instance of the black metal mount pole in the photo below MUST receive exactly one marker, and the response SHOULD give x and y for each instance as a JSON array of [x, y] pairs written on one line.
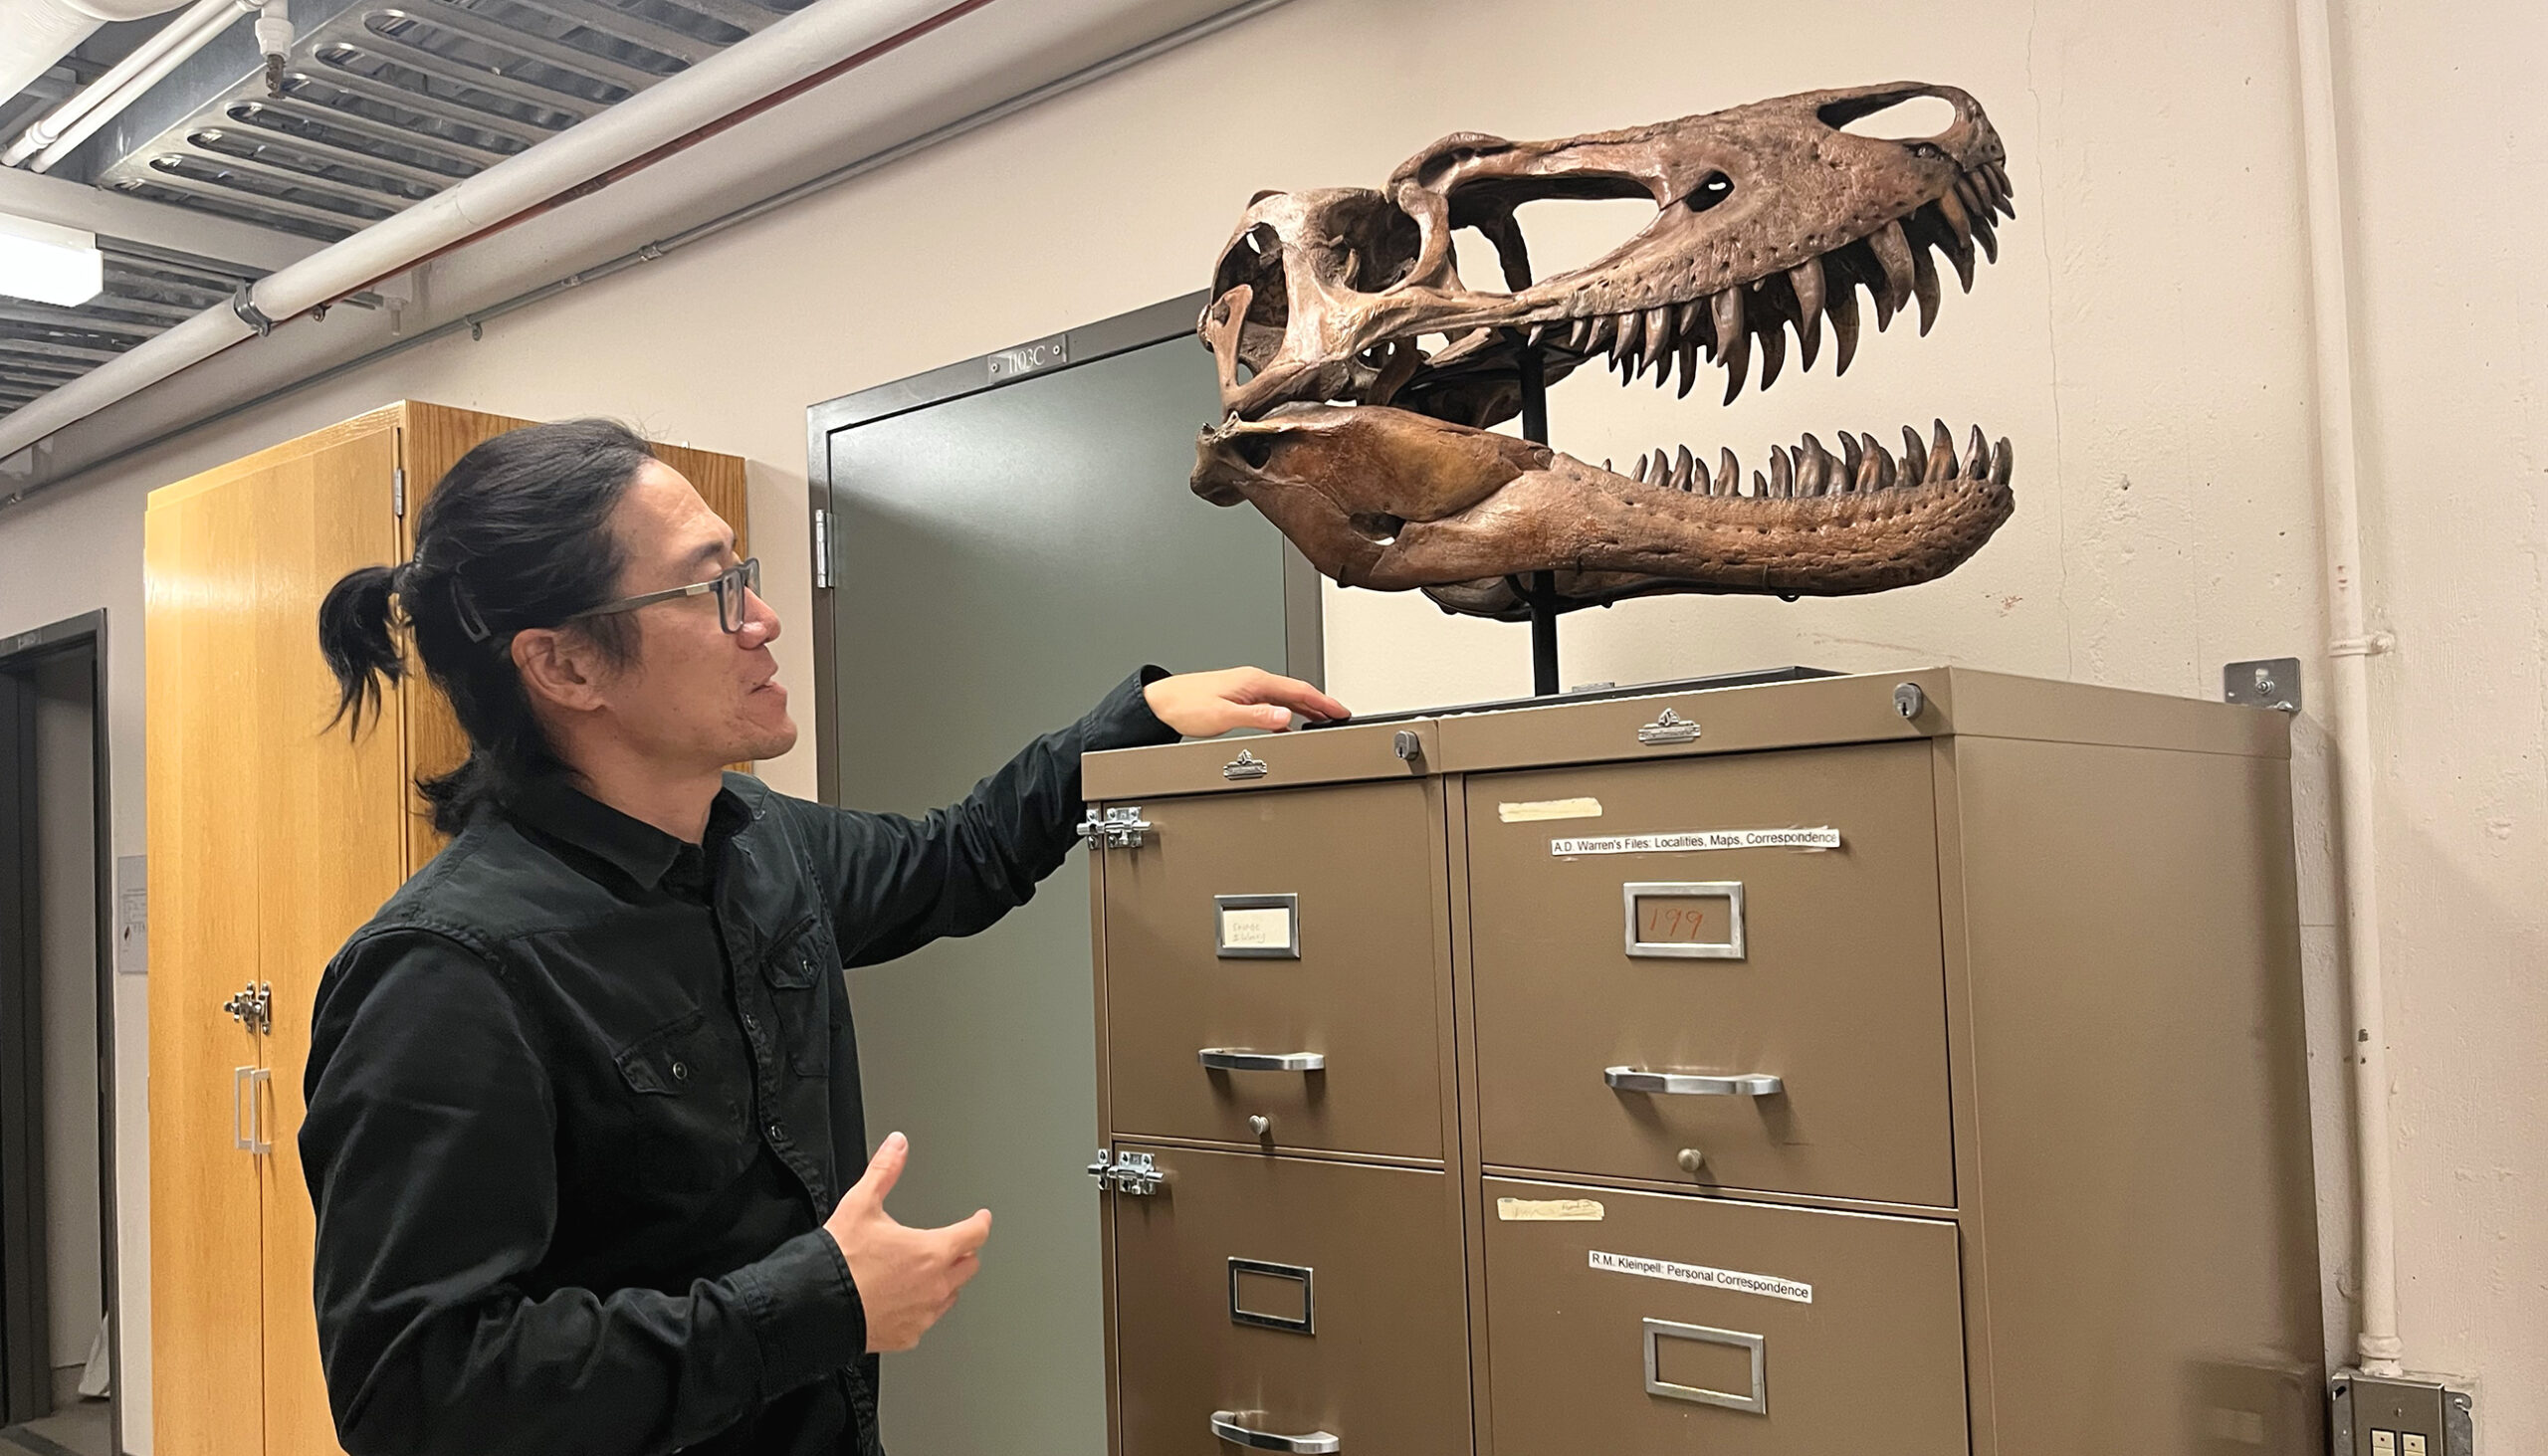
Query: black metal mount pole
[[1543, 587]]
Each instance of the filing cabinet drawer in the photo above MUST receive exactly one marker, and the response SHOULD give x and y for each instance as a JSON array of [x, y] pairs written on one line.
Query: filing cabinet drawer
[[1680, 1324], [1817, 968], [1291, 1298], [1252, 933]]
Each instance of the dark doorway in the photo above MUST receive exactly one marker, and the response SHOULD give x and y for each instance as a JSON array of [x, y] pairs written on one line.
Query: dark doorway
[[57, 1047]]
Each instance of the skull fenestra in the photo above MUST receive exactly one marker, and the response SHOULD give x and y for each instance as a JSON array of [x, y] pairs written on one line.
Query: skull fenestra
[[1379, 460]]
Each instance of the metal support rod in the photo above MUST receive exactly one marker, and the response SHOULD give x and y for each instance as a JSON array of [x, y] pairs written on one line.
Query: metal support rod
[[1544, 611]]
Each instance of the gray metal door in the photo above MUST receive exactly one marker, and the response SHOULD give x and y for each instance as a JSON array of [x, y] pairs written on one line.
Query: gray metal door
[[1005, 548]]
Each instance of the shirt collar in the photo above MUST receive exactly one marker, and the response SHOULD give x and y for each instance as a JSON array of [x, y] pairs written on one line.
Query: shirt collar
[[643, 852]]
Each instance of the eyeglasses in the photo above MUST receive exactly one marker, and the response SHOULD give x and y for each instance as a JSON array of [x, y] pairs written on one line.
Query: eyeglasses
[[729, 587]]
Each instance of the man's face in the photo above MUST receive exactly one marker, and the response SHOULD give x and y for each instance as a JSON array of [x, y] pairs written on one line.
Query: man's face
[[695, 696]]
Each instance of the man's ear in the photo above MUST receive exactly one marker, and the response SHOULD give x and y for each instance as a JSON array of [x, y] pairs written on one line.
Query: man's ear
[[559, 669]]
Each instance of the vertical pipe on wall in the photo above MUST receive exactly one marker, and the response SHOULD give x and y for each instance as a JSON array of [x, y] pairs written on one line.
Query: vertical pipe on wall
[[2349, 649]]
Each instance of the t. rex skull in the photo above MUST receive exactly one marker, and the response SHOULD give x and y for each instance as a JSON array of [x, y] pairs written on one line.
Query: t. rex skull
[[1377, 460]]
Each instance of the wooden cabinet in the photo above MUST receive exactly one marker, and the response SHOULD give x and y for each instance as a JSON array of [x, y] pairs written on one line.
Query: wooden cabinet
[[271, 840], [1905, 1063]]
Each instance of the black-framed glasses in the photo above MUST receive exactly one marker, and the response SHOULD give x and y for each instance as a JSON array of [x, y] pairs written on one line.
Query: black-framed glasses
[[729, 586]]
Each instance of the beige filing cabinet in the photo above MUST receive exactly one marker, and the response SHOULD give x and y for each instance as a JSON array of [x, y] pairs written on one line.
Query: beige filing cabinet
[[1905, 1063]]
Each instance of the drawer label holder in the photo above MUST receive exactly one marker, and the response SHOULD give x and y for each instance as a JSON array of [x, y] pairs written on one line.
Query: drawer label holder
[[1824, 837], [1699, 1274]]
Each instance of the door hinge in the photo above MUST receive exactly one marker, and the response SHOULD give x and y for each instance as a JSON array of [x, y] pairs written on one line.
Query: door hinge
[[398, 491], [1136, 1174], [822, 549]]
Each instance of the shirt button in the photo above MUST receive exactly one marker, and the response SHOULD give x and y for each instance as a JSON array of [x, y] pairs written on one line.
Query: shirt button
[[680, 1071], [773, 1129]]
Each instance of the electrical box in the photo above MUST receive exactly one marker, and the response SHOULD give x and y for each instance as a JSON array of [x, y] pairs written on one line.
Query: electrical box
[[1770, 1069], [2400, 1415]]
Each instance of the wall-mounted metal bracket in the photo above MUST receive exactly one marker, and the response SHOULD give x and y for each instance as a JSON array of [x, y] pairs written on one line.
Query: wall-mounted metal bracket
[[2273, 682]]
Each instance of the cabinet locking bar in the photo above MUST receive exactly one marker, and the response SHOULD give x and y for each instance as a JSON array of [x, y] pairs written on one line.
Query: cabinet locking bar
[[1123, 828], [1687, 1084], [1240, 1059], [1225, 1425], [1136, 1174]]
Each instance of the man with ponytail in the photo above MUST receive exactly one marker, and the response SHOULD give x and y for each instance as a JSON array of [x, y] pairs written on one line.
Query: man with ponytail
[[585, 1130]]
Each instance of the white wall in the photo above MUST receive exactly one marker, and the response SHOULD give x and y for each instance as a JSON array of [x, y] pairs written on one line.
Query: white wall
[[65, 834], [2144, 341]]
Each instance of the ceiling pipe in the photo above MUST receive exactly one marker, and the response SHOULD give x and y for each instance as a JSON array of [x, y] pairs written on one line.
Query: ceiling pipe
[[53, 135], [36, 34], [823, 40]]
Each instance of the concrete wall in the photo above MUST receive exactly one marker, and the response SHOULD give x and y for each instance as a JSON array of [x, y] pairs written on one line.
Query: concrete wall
[[2144, 339]]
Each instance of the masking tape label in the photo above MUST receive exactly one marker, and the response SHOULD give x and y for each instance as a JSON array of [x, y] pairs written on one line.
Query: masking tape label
[[1824, 838], [1548, 1210], [1538, 809], [1761, 1284]]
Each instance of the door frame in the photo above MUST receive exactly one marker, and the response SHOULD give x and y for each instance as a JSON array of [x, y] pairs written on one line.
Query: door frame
[[1304, 647], [84, 636]]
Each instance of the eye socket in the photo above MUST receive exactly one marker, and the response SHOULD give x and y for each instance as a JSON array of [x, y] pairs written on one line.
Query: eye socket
[[1927, 151], [1262, 239], [1713, 188], [1374, 357]]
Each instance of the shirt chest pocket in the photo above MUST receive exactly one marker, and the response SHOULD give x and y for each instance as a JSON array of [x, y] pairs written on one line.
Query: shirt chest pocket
[[803, 971], [688, 1107]]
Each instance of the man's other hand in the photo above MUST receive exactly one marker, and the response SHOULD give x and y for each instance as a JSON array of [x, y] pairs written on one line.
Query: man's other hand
[[1208, 704], [906, 1278]]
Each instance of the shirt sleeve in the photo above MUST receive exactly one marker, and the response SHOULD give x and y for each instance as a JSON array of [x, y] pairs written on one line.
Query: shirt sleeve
[[429, 1148], [896, 884]]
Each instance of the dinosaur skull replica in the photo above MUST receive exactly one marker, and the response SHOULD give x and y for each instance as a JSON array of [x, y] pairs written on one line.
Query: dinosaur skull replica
[[1376, 458]]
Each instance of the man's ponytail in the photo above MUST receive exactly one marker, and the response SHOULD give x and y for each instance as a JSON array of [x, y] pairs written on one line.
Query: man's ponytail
[[515, 536], [357, 634]]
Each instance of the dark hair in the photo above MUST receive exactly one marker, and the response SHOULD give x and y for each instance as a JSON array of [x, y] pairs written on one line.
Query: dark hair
[[515, 536]]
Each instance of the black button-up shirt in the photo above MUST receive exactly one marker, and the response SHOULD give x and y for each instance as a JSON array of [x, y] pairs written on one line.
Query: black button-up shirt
[[581, 1095]]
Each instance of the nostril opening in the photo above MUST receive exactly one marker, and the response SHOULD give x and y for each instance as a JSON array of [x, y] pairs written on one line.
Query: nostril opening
[[1256, 450], [1892, 117]]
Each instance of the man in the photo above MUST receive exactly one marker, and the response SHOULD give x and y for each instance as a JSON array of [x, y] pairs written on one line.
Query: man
[[583, 1096]]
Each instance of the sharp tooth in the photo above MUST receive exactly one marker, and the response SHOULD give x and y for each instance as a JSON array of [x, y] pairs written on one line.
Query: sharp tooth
[[1962, 253], [1875, 468], [1782, 472], [1607, 468], [1734, 340], [1693, 324], [1924, 285], [1915, 457], [1658, 336], [1729, 472], [1809, 327], [1533, 339], [1843, 308], [1806, 278], [1638, 474], [1983, 234], [1689, 356], [1853, 457], [2006, 193], [1606, 330], [1977, 450], [1580, 335], [1774, 349], [2003, 460], [1951, 208], [1813, 468], [1942, 466], [1893, 251], [1967, 190], [1682, 464], [1631, 345], [1759, 485]]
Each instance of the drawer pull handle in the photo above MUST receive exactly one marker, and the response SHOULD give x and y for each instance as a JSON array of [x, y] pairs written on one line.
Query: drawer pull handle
[[1755, 1401], [1240, 1059], [1225, 1425], [1691, 1084]]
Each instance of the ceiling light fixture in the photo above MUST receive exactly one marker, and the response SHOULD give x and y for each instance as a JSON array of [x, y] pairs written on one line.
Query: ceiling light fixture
[[49, 264]]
